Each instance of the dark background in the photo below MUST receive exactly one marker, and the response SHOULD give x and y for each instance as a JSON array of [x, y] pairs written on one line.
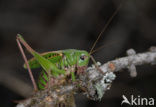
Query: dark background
[[50, 25]]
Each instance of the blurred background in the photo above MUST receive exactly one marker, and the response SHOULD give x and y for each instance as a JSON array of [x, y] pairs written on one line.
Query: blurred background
[[49, 25]]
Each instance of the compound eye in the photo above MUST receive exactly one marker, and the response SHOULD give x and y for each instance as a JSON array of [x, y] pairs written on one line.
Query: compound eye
[[82, 57]]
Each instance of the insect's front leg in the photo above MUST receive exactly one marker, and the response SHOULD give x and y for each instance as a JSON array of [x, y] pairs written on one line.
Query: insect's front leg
[[96, 66]]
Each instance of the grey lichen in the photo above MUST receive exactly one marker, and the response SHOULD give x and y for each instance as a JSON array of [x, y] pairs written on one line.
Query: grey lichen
[[104, 84]]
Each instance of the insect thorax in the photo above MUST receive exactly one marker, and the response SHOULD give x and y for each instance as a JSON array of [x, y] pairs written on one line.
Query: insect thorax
[[74, 58]]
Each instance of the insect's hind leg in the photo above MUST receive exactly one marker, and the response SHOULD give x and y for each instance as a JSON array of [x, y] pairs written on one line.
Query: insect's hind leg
[[45, 63], [26, 61]]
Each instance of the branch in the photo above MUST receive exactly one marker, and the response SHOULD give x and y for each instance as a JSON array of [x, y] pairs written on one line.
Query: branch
[[93, 84]]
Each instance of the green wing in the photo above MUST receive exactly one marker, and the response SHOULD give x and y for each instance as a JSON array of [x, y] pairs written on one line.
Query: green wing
[[53, 56]]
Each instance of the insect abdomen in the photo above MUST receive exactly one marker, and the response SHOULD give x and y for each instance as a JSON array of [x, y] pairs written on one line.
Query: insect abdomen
[[43, 80]]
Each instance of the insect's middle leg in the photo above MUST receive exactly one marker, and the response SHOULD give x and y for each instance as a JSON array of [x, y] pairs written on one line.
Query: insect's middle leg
[[50, 79]]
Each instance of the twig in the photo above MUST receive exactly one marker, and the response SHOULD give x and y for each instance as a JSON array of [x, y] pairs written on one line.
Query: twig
[[93, 84]]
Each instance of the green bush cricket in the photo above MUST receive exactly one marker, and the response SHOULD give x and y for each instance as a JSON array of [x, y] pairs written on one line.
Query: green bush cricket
[[58, 64], [55, 64]]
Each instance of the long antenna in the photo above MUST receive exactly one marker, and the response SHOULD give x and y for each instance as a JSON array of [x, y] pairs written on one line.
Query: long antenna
[[103, 30]]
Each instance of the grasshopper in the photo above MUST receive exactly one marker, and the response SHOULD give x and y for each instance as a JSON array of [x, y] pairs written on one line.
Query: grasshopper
[[58, 65]]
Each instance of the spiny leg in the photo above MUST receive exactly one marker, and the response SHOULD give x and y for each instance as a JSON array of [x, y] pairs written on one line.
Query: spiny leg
[[96, 66], [45, 63], [26, 61]]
